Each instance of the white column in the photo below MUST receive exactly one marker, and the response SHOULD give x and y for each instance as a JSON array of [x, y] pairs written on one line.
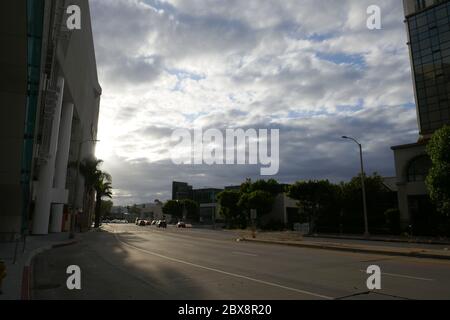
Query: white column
[[62, 160], [47, 171]]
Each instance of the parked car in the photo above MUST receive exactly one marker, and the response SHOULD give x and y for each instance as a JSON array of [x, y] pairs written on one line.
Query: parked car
[[142, 223], [162, 224], [153, 222], [181, 224], [148, 223]]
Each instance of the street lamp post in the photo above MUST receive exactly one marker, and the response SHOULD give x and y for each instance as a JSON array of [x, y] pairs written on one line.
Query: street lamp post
[[366, 224], [75, 194]]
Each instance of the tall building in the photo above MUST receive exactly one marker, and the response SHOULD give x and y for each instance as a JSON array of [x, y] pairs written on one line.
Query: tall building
[[181, 191], [428, 24], [428, 28], [49, 97]]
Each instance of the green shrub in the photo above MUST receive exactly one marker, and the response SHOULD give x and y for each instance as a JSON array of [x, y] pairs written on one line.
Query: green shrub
[[273, 225], [393, 220]]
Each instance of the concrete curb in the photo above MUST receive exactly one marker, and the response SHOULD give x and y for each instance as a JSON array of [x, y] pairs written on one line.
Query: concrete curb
[[415, 254], [410, 241], [28, 267]]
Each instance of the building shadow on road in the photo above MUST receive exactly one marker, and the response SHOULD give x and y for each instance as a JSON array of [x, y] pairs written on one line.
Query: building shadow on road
[[111, 270]]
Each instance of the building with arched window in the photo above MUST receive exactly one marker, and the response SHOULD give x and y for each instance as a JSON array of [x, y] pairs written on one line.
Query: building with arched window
[[412, 166], [428, 28]]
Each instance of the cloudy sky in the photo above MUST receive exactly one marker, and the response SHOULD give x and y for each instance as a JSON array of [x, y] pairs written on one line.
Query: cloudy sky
[[310, 68]]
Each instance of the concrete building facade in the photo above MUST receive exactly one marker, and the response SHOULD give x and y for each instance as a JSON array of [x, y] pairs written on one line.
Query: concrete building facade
[[49, 97], [284, 210], [208, 204], [428, 29], [152, 211]]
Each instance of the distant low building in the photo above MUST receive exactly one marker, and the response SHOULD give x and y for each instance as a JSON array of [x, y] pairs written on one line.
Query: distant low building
[[284, 210], [152, 211], [233, 188], [209, 206], [118, 212]]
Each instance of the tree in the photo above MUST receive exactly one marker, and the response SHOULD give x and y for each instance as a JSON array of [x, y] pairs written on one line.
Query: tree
[[438, 179], [246, 187], [134, 211], [379, 199], [393, 220], [89, 169], [192, 210], [103, 189], [259, 200], [271, 186], [259, 195], [173, 208], [93, 178], [230, 209], [316, 199]]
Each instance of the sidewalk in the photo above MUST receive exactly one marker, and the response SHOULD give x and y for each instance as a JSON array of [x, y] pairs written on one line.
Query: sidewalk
[[397, 239], [17, 277], [417, 250]]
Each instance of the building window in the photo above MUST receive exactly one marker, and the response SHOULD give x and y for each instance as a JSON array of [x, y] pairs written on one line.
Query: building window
[[418, 169], [430, 50], [420, 5]]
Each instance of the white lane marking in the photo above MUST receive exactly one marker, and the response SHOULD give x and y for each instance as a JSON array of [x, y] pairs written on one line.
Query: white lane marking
[[187, 236], [244, 254], [225, 272], [402, 276]]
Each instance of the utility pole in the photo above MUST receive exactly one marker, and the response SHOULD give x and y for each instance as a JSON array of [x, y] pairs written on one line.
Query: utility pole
[[366, 223]]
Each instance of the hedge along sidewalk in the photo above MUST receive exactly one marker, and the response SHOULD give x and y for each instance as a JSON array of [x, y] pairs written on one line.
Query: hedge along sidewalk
[[354, 247], [17, 283]]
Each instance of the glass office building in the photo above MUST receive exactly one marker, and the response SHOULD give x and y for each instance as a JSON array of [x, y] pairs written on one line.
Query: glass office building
[[428, 26]]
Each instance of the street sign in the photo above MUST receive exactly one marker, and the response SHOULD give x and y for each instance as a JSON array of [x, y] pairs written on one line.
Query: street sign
[[253, 214]]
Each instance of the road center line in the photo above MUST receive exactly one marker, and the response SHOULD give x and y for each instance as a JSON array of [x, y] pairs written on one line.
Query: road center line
[[224, 272], [402, 276], [244, 254]]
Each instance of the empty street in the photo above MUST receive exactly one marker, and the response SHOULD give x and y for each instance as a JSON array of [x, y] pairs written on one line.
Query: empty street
[[131, 262]]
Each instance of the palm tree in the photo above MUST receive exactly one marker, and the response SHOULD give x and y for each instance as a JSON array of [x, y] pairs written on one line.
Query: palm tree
[[89, 168], [103, 189], [95, 181]]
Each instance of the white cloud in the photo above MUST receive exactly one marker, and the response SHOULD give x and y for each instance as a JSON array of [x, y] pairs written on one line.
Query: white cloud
[[311, 68]]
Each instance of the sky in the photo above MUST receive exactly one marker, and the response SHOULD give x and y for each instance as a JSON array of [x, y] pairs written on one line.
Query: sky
[[310, 68]]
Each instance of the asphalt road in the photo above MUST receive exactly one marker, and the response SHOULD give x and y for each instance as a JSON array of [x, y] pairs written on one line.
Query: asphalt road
[[130, 262]]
